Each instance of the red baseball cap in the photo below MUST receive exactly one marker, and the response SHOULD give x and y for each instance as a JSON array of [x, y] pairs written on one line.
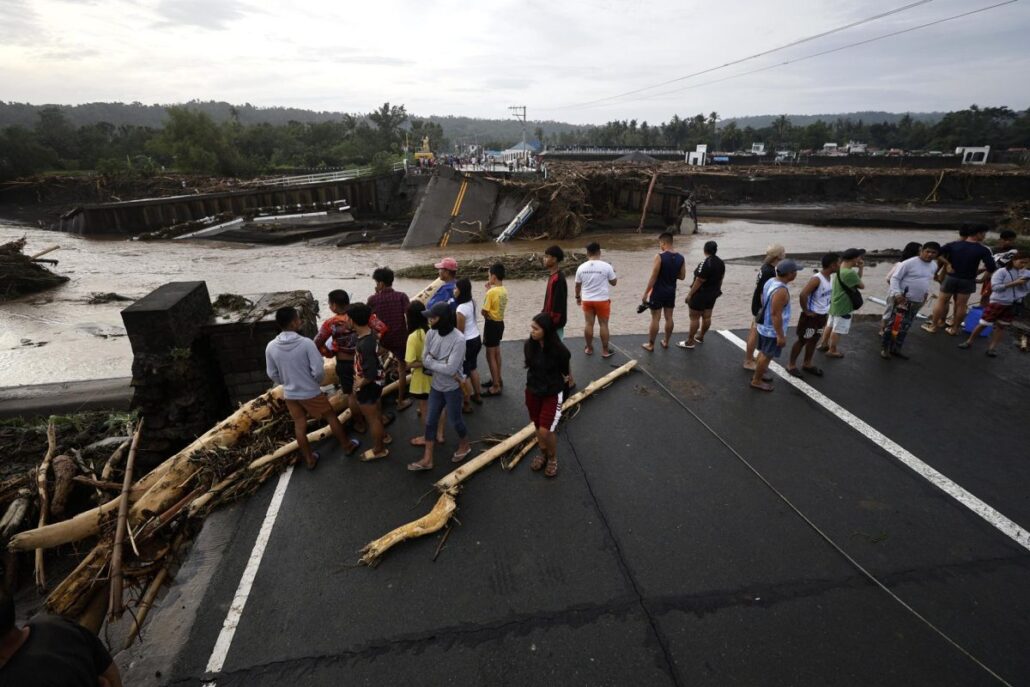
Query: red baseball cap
[[447, 264]]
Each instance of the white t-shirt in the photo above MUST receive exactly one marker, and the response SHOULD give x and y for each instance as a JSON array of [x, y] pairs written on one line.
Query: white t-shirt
[[913, 278], [1007, 295], [594, 276], [468, 310]]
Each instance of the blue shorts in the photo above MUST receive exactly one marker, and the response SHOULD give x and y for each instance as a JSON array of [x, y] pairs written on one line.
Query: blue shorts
[[767, 345]]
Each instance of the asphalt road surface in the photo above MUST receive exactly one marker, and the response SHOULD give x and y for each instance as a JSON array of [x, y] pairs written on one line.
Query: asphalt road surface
[[658, 556]]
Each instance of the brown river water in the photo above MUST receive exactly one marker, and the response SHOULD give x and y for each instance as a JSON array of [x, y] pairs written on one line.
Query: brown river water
[[56, 336]]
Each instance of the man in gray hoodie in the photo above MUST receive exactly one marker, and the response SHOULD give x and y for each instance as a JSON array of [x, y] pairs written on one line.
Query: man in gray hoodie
[[294, 362]]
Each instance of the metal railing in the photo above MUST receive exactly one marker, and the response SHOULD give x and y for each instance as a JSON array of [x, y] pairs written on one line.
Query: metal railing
[[343, 175]]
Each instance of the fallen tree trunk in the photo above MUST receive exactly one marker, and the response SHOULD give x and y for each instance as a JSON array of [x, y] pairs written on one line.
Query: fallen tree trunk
[[448, 486], [64, 471], [44, 500]]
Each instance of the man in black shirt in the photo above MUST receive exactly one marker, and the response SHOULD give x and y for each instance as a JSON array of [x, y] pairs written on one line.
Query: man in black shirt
[[705, 290], [51, 652], [961, 260]]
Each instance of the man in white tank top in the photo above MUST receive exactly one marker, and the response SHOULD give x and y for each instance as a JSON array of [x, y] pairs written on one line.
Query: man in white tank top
[[815, 306]]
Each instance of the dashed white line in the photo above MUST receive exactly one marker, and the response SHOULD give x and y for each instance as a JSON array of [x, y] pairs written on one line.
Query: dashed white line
[[239, 601], [1003, 524]]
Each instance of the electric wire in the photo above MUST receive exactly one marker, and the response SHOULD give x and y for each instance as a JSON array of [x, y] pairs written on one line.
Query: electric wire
[[825, 537], [792, 44], [828, 51]]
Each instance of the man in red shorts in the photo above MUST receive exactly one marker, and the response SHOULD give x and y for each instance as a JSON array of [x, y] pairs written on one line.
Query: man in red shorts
[[1009, 287], [594, 280], [389, 307]]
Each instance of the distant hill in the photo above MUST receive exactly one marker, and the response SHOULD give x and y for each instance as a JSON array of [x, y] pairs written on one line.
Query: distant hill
[[869, 117], [463, 129]]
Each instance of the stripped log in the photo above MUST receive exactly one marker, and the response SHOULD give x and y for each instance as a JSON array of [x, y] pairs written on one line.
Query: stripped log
[[448, 486], [647, 200], [64, 470], [37, 256], [115, 460], [116, 605], [145, 605], [521, 454], [44, 499], [15, 514]]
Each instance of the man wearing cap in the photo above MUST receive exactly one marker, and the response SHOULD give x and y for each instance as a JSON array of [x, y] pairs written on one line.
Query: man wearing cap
[[704, 291], [772, 321], [846, 284], [448, 270]]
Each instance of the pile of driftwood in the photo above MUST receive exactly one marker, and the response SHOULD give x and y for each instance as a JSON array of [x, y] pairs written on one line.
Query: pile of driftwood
[[22, 274], [138, 534], [521, 266]]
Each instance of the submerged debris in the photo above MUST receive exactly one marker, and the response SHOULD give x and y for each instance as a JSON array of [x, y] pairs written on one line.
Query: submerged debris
[[98, 298], [524, 266], [20, 275], [229, 303]]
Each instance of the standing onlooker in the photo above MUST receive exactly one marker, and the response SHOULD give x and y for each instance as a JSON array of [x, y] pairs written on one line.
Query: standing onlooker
[[447, 271], [556, 295], [389, 306], [773, 319], [594, 279], [369, 377], [294, 362], [442, 357], [51, 650], [1003, 251], [1009, 286], [421, 383], [844, 300], [494, 305], [910, 284], [815, 308], [465, 320], [962, 260], [773, 254], [547, 383], [660, 292], [704, 291], [910, 250]]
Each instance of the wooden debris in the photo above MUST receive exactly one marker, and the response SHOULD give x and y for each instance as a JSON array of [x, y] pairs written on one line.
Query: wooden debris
[[15, 514], [44, 499], [64, 471], [449, 485], [115, 606]]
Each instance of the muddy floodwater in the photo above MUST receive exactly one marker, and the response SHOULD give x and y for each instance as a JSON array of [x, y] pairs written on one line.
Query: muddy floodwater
[[56, 336]]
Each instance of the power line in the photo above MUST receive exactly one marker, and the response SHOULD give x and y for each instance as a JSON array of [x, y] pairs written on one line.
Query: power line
[[831, 50], [750, 57]]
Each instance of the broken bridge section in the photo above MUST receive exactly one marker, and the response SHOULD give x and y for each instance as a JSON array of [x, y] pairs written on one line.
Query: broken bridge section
[[458, 207]]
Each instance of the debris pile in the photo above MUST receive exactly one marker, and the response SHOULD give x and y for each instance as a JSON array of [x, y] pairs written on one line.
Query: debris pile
[[521, 266], [21, 274]]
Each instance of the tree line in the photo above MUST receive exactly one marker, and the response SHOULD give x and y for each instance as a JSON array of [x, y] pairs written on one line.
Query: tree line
[[191, 140], [999, 127]]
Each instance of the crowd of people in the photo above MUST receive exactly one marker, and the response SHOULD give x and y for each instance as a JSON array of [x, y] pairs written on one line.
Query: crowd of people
[[439, 342]]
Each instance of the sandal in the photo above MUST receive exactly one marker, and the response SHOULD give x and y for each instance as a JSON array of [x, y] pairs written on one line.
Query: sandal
[[794, 372], [838, 354], [417, 441], [388, 419], [387, 440], [491, 392], [762, 386], [649, 347], [458, 456], [538, 463], [313, 461], [354, 445], [685, 344], [416, 467], [816, 371], [588, 350], [607, 354], [665, 343], [371, 455], [405, 404], [552, 467]]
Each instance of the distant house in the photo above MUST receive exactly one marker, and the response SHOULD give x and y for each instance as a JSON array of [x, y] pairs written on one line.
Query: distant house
[[522, 151], [974, 155]]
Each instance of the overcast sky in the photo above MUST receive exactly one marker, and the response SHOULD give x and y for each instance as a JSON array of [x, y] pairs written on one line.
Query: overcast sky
[[476, 58]]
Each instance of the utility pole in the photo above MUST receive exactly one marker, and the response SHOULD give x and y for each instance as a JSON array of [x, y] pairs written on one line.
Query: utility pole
[[519, 112]]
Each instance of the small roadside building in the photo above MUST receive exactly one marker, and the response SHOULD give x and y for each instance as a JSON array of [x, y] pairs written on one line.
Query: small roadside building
[[521, 151]]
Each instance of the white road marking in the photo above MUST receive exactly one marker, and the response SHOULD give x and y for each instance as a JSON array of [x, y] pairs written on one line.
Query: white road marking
[[232, 618], [999, 521]]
